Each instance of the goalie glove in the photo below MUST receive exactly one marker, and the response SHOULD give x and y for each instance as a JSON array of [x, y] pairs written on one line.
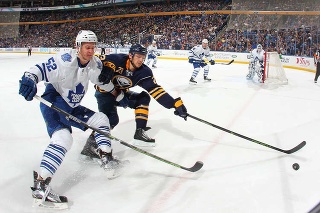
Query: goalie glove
[[28, 86], [181, 110]]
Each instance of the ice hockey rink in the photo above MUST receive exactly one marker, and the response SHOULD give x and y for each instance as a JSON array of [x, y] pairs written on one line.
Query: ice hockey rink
[[238, 176]]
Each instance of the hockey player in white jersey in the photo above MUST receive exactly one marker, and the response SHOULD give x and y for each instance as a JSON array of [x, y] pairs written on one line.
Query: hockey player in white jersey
[[152, 54], [197, 56], [256, 64], [66, 76]]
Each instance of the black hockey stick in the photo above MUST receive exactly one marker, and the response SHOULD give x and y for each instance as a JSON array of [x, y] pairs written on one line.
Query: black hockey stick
[[230, 62], [197, 166], [298, 147]]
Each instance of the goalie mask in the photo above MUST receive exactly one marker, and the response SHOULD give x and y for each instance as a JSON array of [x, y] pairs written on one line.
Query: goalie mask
[[259, 48]]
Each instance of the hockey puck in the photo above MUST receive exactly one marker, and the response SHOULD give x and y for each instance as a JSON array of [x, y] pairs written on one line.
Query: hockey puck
[[295, 166]]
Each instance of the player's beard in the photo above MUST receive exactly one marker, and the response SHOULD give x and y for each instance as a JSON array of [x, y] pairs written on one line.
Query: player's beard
[[134, 64]]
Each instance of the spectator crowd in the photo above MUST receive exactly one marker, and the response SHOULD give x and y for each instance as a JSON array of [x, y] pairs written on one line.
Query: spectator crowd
[[288, 34]]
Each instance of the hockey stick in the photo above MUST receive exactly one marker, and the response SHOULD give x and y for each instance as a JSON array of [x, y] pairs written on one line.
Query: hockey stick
[[230, 62], [197, 166], [290, 151]]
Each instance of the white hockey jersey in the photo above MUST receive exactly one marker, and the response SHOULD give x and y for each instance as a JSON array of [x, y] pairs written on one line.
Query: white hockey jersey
[[255, 55], [68, 78], [198, 53], [152, 50]]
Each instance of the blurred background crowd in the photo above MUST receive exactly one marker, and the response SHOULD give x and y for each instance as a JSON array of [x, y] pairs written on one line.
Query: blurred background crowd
[[288, 34]]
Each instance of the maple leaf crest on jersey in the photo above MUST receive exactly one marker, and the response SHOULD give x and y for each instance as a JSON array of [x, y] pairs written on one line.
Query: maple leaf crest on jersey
[[66, 57], [76, 97]]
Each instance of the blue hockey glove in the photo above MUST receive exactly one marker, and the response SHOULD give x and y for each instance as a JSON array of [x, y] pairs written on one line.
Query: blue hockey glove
[[181, 110], [203, 63], [212, 62], [28, 86], [122, 100], [106, 75], [191, 60]]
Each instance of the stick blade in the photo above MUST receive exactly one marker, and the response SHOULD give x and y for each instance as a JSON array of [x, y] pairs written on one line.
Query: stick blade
[[298, 147], [196, 167], [231, 62]]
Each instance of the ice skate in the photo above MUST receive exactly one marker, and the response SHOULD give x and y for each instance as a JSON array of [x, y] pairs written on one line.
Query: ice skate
[[249, 76], [154, 66], [89, 151], [112, 165], [206, 78], [45, 197], [142, 139], [192, 81]]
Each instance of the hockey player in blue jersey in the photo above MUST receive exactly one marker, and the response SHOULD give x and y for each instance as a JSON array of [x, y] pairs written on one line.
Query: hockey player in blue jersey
[[152, 54], [129, 71], [67, 75], [197, 56]]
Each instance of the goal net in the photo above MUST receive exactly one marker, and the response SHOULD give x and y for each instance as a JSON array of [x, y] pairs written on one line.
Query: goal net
[[273, 69]]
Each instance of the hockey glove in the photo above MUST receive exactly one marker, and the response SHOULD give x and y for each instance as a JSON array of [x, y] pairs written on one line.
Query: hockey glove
[[212, 62], [122, 100], [191, 60], [203, 63], [28, 86], [106, 75], [157, 54], [181, 110]]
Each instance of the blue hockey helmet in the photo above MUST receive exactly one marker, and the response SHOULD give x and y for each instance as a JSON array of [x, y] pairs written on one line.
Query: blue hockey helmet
[[138, 48]]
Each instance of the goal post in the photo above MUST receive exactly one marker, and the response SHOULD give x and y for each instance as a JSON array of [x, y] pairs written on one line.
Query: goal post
[[273, 70]]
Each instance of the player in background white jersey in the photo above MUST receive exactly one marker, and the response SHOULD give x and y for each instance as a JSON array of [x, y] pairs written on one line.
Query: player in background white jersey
[[66, 76], [196, 56], [256, 64], [152, 54]]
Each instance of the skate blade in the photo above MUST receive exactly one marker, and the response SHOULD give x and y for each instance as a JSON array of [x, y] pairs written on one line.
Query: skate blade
[[89, 160], [38, 203], [143, 144], [114, 173]]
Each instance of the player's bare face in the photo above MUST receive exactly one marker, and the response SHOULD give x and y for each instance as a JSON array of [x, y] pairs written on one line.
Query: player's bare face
[[137, 60], [204, 45], [86, 52]]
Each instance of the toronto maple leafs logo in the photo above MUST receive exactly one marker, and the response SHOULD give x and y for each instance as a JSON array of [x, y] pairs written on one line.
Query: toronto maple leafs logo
[[66, 57], [75, 97]]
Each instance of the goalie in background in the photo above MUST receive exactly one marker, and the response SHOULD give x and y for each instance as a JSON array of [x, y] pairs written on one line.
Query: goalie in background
[[196, 57], [316, 58], [152, 54], [256, 64]]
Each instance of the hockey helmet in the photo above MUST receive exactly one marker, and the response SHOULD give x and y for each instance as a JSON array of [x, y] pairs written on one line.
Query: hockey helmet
[[205, 41], [259, 46], [138, 48], [86, 36], [154, 42]]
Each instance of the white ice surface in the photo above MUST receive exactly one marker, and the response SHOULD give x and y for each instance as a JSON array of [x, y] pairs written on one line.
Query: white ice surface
[[238, 175]]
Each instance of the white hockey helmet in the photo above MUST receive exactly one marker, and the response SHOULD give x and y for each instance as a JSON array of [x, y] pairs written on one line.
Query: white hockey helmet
[[154, 42], [205, 41], [86, 36], [259, 46]]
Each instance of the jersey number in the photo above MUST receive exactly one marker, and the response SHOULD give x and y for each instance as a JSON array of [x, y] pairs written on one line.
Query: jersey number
[[51, 65]]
